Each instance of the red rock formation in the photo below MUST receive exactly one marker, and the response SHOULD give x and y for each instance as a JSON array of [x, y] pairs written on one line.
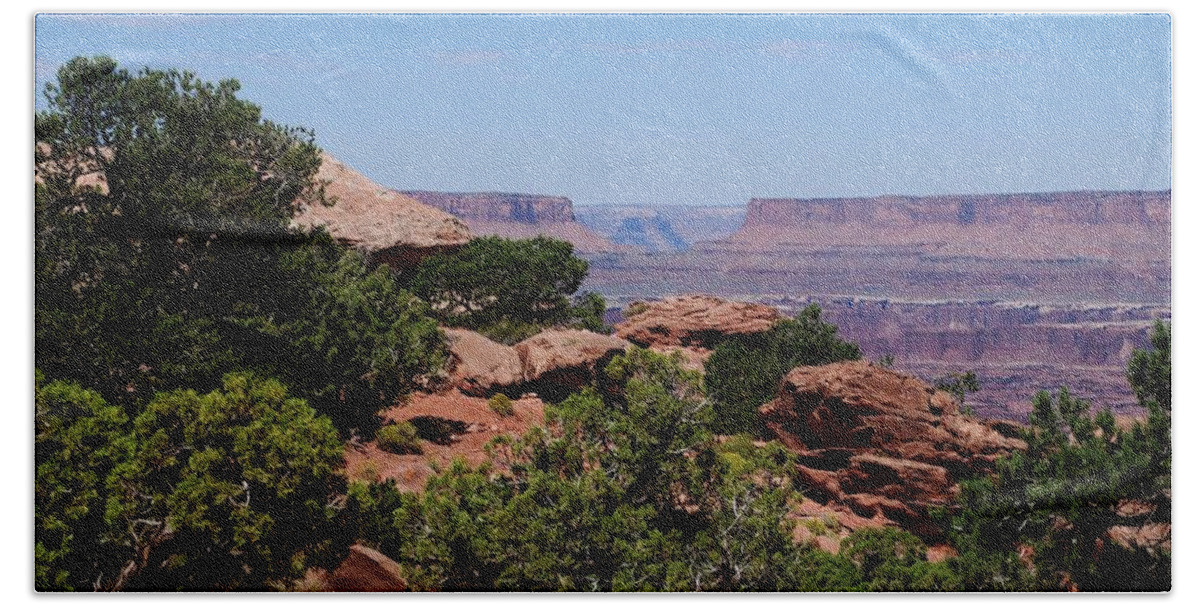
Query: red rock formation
[[479, 424], [366, 569], [555, 361], [391, 228], [883, 444], [519, 216], [479, 366], [695, 321]]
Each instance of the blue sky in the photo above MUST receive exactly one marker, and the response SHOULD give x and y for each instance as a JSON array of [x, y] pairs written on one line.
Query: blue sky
[[687, 109]]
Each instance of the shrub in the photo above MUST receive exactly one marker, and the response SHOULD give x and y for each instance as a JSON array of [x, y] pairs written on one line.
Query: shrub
[[399, 438], [492, 279], [501, 404], [744, 371], [233, 489]]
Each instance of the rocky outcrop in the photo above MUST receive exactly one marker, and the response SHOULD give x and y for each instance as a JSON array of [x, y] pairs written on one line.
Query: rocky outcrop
[[695, 321], [387, 226], [479, 366], [555, 362], [518, 216], [883, 444], [472, 425], [366, 569], [692, 325]]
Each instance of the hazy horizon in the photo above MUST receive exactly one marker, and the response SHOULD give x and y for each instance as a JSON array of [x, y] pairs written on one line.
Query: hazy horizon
[[687, 109]]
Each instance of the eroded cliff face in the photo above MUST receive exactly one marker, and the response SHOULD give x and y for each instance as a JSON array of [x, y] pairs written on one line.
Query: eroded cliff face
[[886, 445], [1125, 228], [518, 216], [1016, 349], [1086, 207], [499, 206]]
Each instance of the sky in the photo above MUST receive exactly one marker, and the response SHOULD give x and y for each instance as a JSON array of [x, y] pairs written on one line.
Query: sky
[[686, 109]]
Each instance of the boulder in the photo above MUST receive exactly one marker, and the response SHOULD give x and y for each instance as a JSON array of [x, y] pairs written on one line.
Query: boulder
[[859, 406], [366, 569], [553, 363], [480, 367], [387, 226], [696, 321], [557, 362], [884, 444]]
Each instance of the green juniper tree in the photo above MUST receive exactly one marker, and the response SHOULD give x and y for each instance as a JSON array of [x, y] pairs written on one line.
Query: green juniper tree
[[234, 489], [164, 256], [509, 289], [1043, 520], [744, 371]]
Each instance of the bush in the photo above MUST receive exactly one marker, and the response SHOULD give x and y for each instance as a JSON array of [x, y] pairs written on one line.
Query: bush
[[744, 371], [508, 289], [399, 438], [1058, 495], [233, 489], [354, 340], [501, 404]]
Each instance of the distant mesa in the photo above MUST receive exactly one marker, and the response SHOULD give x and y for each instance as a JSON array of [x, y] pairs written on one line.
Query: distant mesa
[[387, 226], [1082, 207], [1055, 225], [519, 216], [1083, 247]]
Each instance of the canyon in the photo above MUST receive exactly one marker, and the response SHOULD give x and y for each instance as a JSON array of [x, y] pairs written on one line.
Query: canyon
[[1030, 291], [1015, 349], [661, 227]]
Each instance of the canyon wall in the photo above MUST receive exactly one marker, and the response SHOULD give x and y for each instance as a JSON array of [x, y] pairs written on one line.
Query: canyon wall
[[1016, 349], [518, 216], [1087, 207], [1129, 229], [499, 206]]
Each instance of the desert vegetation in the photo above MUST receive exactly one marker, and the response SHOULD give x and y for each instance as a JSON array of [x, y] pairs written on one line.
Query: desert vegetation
[[203, 366], [744, 371]]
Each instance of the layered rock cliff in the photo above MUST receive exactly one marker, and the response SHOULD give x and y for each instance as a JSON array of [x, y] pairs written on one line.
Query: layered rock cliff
[[1085, 207], [1125, 227], [1071, 247], [518, 216], [886, 445], [1016, 349]]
